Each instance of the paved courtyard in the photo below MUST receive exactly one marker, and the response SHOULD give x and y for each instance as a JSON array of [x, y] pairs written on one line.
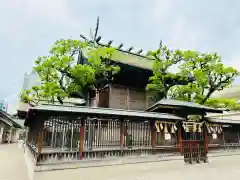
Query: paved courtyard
[[12, 167], [12, 163], [223, 168]]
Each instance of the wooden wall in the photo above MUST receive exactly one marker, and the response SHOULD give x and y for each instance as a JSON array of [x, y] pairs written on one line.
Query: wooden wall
[[129, 98]]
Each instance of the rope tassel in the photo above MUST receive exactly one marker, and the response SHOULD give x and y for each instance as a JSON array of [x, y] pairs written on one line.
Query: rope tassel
[[175, 127], [157, 127], [194, 128], [166, 129], [172, 129], [199, 128], [161, 126]]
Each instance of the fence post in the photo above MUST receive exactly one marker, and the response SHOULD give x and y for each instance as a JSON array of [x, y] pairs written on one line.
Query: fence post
[[205, 133], [153, 134], [122, 135], [40, 138], [81, 140], [238, 139]]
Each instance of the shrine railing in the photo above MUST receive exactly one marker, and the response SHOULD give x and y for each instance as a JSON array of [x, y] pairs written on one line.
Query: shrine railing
[[74, 137], [100, 138]]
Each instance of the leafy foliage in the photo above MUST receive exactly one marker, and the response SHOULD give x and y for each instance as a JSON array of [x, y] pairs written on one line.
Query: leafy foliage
[[209, 73], [199, 76], [61, 76], [225, 103], [162, 80]]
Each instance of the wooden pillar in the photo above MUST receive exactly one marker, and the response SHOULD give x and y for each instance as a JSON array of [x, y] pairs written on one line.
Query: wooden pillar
[[81, 139], [180, 137], [153, 134], [40, 137], [10, 135], [1, 132], [63, 136], [238, 138], [121, 134], [223, 138], [205, 134]]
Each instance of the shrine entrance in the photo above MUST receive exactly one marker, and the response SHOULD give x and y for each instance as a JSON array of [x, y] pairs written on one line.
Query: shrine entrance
[[194, 147], [193, 130]]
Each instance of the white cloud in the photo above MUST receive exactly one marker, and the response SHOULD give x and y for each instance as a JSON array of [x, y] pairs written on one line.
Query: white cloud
[[28, 27], [20, 14]]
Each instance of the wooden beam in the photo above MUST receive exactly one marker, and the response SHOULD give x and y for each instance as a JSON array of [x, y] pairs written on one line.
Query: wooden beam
[[109, 43], [130, 49], [120, 46], [140, 51], [81, 139]]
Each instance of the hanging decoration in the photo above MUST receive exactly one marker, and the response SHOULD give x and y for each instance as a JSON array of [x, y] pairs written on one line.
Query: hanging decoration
[[192, 126], [157, 127], [167, 136], [199, 128], [214, 128], [166, 126], [173, 128], [214, 136], [219, 129], [161, 126]]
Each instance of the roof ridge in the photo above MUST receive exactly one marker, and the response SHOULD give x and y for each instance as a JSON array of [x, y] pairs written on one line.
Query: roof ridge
[[128, 52]]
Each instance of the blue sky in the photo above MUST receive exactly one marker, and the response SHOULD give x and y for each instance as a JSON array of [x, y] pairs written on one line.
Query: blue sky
[[29, 27]]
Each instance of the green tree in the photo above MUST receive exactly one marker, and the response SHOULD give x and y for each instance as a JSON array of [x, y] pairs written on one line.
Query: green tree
[[225, 103], [210, 75], [163, 80], [61, 77]]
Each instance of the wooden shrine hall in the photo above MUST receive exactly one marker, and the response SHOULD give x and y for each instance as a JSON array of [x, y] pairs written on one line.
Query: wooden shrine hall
[[59, 134], [121, 120]]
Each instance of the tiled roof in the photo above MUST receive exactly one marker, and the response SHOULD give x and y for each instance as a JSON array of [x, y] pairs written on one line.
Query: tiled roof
[[84, 110], [134, 60], [11, 121], [224, 121], [129, 58], [175, 103]]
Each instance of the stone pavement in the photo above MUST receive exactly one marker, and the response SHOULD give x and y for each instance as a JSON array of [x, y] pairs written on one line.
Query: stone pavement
[[218, 168], [12, 167], [12, 163]]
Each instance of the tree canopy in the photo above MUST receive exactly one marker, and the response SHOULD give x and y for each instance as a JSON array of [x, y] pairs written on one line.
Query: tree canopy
[[61, 77], [163, 80], [203, 74], [198, 76], [210, 73]]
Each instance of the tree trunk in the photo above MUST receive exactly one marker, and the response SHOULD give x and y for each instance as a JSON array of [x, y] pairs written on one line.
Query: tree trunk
[[207, 96]]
